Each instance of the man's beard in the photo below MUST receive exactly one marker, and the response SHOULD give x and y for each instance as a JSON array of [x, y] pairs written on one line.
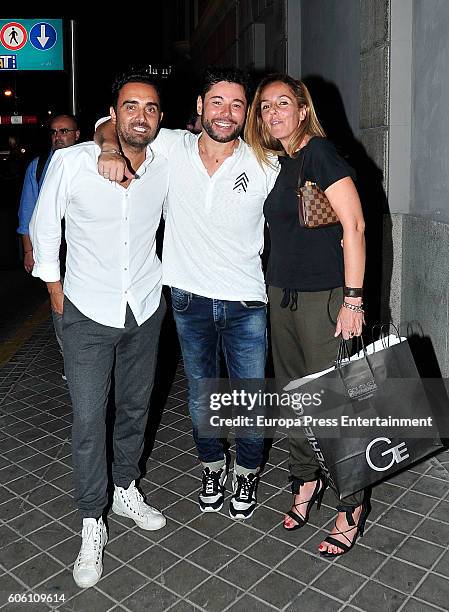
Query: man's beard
[[134, 139], [209, 129]]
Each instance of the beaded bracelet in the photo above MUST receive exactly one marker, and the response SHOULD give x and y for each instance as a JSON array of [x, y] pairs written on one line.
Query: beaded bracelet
[[353, 307]]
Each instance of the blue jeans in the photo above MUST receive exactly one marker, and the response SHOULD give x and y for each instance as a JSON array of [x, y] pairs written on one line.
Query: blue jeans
[[204, 325]]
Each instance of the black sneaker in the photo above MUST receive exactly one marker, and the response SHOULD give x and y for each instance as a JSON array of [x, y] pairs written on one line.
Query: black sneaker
[[244, 495], [211, 496]]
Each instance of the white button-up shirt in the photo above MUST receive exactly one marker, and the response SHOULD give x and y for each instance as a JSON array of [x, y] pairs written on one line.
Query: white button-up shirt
[[110, 234]]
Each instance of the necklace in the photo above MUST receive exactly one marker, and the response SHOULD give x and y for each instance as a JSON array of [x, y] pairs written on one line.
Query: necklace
[[217, 159]]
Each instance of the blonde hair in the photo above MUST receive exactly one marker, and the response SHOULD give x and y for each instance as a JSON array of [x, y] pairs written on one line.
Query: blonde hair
[[257, 134]]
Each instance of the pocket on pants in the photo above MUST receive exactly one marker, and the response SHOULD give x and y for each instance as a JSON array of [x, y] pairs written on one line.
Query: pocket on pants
[[180, 299], [252, 304]]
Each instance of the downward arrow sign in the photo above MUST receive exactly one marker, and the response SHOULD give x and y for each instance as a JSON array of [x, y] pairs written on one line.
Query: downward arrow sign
[[42, 38]]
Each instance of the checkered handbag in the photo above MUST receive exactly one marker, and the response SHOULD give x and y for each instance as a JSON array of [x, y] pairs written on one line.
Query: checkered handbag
[[314, 209]]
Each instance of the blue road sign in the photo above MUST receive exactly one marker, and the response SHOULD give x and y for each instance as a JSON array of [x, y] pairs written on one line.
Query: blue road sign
[[43, 36], [31, 44]]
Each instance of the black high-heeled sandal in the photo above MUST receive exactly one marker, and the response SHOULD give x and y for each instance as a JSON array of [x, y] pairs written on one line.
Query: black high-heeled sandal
[[360, 528], [317, 496]]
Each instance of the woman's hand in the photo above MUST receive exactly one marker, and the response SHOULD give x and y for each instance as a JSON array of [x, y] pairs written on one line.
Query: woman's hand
[[112, 166], [349, 323]]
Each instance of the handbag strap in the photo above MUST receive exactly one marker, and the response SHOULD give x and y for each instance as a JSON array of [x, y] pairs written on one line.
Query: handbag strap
[[300, 176]]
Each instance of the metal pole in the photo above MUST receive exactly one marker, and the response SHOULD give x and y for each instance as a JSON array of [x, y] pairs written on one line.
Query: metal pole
[[73, 83]]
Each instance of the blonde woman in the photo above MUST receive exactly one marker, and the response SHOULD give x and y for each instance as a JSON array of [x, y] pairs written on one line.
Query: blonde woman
[[315, 285]]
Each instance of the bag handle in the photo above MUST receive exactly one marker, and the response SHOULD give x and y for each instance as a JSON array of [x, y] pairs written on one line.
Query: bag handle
[[343, 353], [382, 335], [299, 185]]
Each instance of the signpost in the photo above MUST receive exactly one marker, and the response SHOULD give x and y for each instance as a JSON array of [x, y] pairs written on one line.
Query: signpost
[[30, 44]]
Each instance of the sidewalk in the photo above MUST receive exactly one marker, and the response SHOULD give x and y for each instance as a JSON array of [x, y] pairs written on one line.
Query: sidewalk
[[199, 562]]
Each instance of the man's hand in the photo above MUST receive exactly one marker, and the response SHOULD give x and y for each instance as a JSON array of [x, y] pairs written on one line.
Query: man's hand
[[112, 166], [56, 297], [28, 261]]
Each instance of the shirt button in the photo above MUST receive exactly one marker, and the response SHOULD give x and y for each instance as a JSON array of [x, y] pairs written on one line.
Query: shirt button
[[126, 243], [126, 269]]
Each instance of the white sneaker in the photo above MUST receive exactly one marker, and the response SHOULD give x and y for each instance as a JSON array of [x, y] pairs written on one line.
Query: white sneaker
[[130, 502], [89, 563], [244, 495]]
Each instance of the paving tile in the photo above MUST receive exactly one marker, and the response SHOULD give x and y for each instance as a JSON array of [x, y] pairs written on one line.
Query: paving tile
[[122, 583], [162, 474], [297, 537], [269, 551], [416, 502], [183, 606], [60, 506], [184, 462], [11, 472], [238, 536], [7, 536], [160, 498], [302, 566], [433, 532], [442, 567], [183, 510], [400, 520], [61, 583], [413, 605], [67, 551], [151, 597], [28, 522], [211, 524], [16, 553], [399, 575], [382, 539], [154, 561], [431, 486], [264, 519], [339, 582], [214, 594], [434, 590], [50, 535], [277, 590], [441, 512], [164, 453], [186, 484], [88, 600], [182, 577], [404, 479], [243, 572], [212, 556], [37, 570], [183, 541], [419, 552], [312, 601], [128, 545], [247, 602], [373, 597]]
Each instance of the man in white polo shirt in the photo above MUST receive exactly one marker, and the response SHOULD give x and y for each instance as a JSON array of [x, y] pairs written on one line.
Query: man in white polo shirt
[[211, 260], [112, 306]]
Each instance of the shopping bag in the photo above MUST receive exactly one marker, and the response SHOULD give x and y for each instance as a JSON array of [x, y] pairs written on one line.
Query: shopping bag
[[374, 417]]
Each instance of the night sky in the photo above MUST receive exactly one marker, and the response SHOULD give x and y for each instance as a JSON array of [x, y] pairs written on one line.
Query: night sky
[[105, 46]]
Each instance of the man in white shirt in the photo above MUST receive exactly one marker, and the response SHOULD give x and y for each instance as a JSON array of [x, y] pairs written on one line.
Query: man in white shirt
[[211, 260], [112, 306]]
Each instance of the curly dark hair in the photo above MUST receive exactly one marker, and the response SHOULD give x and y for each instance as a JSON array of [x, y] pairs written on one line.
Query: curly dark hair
[[133, 75], [215, 74]]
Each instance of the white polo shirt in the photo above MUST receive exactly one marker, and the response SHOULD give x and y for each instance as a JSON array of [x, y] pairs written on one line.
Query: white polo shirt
[[214, 225]]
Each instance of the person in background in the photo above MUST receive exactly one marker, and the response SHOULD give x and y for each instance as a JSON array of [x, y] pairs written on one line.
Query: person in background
[[315, 285], [64, 132]]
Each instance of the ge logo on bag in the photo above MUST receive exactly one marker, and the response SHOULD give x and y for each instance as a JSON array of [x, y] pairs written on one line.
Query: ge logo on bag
[[398, 453]]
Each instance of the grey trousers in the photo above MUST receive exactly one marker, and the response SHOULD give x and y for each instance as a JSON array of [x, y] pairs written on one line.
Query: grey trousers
[[303, 342], [90, 351]]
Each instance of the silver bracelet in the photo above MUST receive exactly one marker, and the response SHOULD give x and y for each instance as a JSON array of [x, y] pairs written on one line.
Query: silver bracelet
[[116, 151], [353, 307]]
